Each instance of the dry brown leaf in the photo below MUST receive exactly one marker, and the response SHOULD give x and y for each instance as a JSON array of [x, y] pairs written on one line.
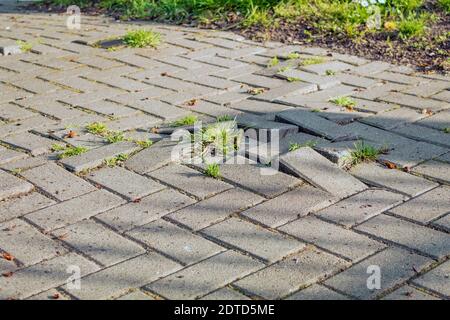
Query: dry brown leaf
[[7, 256], [7, 274], [71, 134], [390, 165]]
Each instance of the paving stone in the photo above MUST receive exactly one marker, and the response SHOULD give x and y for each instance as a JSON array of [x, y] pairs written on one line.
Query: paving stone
[[289, 206], [25, 163], [16, 207], [436, 170], [206, 276], [356, 81], [95, 157], [392, 179], [35, 85], [53, 273], [378, 91], [424, 134], [415, 102], [31, 143], [146, 210], [444, 96], [443, 223], [225, 294], [98, 242], [150, 159], [258, 107], [159, 109], [11, 186], [259, 81], [398, 78], [295, 87], [324, 68], [361, 207], [175, 242], [132, 273], [372, 106], [109, 108], [438, 121], [25, 125], [426, 207], [9, 155], [428, 241], [57, 182], [396, 266], [408, 292], [428, 89], [51, 294], [127, 183], [332, 238], [436, 280], [74, 210], [267, 245], [393, 118], [12, 112], [320, 172], [59, 110], [372, 68], [136, 295], [134, 122], [317, 292], [311, 123], [228, 97], [190, 180], [26, 244], [322, 82], [291, 274]]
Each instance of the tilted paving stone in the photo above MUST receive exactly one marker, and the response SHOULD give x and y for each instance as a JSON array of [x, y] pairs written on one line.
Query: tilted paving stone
[[436, 170], [225, 294], [286, 208], [324, 68], [205, 276], [361, 207], [424, 134], [175, 242], [34, 144], [74, 210], [265, 130], [11, 186], [12, 112], [289, 275], [317, 292], [148, 209], [262, 243], [95, 157], [124, 182], [443, 223], [132, 273], [425, 240], [444, 158], [396, 266], [152, 158], [337, 240], [415, 102], [53, 273], [9, 155], [99, 242], [438, 121], [436, 280], [428, 89], [309, 122], [57, 182], [342, 116], [19, 206], [215, 209], [27, 244], [190, 180], [320, 172], [393, 118], [426, 207], [392, 179], [408, 292]]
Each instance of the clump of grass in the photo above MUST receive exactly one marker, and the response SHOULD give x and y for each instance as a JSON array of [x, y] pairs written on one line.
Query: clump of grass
[[212, 170], [224, 118], [58, 147], [330, 73], [142, 38], [344, 101], [411, 27], [273, 62], [364, 152], [316, 110], [311, 61], [293, 79], [72, 151], [117, 160], [293, 55], [295, 146], [114, 136], [446, 130], [219, 138], [283, 69], [24, 46], [144, 143], [256, 91], [98, 128], [186, 121]]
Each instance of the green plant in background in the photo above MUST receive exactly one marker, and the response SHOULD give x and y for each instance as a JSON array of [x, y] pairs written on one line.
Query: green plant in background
[[142, 38], [212, 170], [24, 46], [72, 151], [58, 147], [144, 143], [344, 101], [114, 136], [311, 61], [98, 128], [293, 79], [117, 160], [224, 118], [186, 121], [445, 4], [295, 145], [273, 62], [128, 8], [293, 56]]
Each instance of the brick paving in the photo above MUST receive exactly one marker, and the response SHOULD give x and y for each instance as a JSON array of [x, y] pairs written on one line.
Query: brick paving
[[151, 228]]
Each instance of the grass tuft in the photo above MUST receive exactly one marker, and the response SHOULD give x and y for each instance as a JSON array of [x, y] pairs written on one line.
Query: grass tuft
[[186, 121], [364, 152], [213, 170], [311, 61], [72, 151], [98, 128], [142, 38], [344, 101]]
